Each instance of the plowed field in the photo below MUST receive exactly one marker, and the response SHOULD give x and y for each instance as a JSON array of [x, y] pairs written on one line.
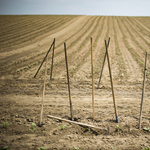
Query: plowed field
[[24, 42]]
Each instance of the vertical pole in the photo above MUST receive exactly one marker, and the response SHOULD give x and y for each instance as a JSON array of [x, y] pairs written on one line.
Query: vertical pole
[[111, 84], [143, 92], [103, 66], [71, 111], [92, 78], [52, 60], [40, 124]]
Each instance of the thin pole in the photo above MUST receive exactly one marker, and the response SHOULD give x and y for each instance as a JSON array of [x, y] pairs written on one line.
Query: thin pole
[[103, 66], [71, 111], [143, 91], [52, 60], [40, 124], [111, 84], [79, 123], [43, 60], [92, 78]]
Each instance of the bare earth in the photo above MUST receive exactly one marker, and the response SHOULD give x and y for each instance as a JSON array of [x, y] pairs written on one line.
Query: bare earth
[[21, 93]]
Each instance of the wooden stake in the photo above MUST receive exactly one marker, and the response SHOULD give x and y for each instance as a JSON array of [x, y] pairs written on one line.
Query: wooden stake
[[43, 60], [111, 84], [103, 66], [79, 123], [71, 111], [40, 124], [92, 78], [52, 60], [143, 91]]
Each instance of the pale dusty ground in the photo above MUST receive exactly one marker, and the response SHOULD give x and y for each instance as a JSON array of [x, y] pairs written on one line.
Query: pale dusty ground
[[21, 94]]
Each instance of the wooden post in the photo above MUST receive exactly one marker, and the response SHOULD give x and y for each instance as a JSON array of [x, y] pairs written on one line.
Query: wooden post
[[143, 91], [71, 111], [103, 66], [111, 83], [43, 60], [40, 124], [52, 60], [92, 78]]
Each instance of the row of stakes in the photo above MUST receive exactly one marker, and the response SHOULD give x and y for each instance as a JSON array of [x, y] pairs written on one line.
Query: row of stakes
[[71, 109]]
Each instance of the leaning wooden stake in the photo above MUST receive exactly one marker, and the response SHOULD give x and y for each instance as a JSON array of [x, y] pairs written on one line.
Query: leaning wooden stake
[[103, 66], [79, 123], [43, 60], [52, 60], [71, 111], [143, 91], [40, 124], [111, 83], [92, 79]]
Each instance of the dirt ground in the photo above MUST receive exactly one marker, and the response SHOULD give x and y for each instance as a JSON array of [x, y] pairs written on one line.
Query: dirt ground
[[21, 93]]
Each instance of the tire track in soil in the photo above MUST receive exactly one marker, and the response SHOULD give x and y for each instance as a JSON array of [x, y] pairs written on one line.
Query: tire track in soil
[[131, 67]]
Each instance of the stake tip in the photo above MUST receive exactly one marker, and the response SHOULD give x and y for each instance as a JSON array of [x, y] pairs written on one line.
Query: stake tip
[[117, 120], [40, 125]]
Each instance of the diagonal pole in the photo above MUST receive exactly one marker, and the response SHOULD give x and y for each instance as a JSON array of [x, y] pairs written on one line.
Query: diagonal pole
[[71, 111], [52, 60], [103, 66], [111, 83], [43, 60], [143, 91]]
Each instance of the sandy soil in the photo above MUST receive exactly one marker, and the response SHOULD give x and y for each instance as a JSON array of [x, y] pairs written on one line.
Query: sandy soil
[[21, 93]]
